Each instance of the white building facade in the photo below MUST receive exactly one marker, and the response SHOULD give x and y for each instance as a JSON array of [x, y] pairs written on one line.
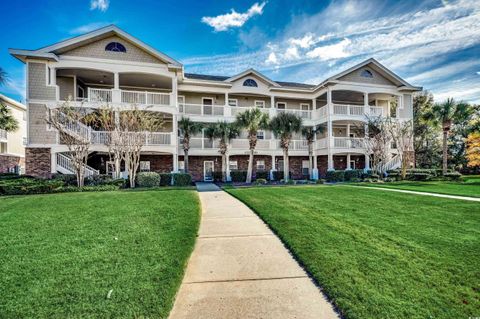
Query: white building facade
[[109, 66]]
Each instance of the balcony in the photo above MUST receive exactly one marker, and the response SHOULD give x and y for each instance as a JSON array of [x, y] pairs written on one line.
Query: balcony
[[199, 143], [342, 143], [232, 111], [96, 95], [148, 138]]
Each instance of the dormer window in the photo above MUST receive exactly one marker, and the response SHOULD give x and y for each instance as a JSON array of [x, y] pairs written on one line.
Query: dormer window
[[115, 47], [366, 74], [250, 82]]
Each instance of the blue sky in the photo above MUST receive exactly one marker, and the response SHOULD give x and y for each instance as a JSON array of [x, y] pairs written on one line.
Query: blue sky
[[434, 44]]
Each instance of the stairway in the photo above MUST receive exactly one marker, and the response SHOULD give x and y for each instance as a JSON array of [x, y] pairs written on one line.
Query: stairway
[[394, 163], [65, 166]]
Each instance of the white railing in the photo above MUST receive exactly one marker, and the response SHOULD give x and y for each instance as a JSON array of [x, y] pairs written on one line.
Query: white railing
[[99, 95], [393, 163], [65, 162], [3, 135], [348, 142], [148, 138], [321, 143], [320, 113], [201, 109], [295, 145], [376, 111], [139, 97], [75, 128], [243, 143], [304, 114], [239, 109], [347, 109]]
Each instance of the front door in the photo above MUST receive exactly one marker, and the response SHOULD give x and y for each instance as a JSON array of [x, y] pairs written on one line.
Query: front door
[[208, 171]]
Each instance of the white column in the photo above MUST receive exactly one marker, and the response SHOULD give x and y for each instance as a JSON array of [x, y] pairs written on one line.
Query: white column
[[273, 167], [367, 162], [272, 110], [116, 94], [330, 162], [174, 93], [348, 162], [330, 144], [365, 103], [116, 81], [53, 82], [329, 101], [53, 161], [227, 109], [227, 168], [175, 142]]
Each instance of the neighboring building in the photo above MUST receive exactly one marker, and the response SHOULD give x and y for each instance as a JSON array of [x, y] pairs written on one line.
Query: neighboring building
[[12, 144], [109, 65]]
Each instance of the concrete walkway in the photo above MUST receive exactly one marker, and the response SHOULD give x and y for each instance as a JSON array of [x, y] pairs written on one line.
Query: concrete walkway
[[240, 269], [473, 199]]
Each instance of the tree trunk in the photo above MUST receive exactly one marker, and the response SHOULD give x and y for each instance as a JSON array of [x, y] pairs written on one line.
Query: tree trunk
[[224, 161], [445, 152], [185, 160], [286, 166], [310, 160], [250, 167], [404, 165]]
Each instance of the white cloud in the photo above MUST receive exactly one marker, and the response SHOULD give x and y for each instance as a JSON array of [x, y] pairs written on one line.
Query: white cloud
[[445, 71], [101, 5], [233, 19], [291, 53], [305, 42], [89, 27], [332, 51], [478, 72], [272, 58]]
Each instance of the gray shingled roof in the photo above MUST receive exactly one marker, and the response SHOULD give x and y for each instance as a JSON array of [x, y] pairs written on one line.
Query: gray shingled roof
[[206, 77]]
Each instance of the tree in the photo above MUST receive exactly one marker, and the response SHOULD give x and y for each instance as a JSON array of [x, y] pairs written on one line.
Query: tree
[[188, 128], [284, 125], [68, 121], [252, 120], [445, 114], [473, 149], [427, 142], [7, 121], [309, 133], [377, 142], [401, 133], [135, 125], [3, 76], [224, 132]]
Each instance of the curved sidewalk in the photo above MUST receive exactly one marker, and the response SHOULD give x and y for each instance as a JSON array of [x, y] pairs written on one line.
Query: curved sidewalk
[[240, 269]]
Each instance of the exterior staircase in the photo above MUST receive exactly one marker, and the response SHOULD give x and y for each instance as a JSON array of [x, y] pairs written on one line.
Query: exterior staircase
[[65, 166], [394, 163]]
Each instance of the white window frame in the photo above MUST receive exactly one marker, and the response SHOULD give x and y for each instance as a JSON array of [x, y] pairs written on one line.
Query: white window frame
[[284, 103], [232, 100], [280, 165], [261, 165], [181, 166], [262, 133], [352, 164], [260, 102], [307, 163], [142, 168], [233, 163], [208, 98], [305, 104]]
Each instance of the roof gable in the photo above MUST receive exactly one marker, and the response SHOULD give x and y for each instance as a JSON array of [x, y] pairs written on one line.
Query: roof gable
[[75, 44], [252, 73]]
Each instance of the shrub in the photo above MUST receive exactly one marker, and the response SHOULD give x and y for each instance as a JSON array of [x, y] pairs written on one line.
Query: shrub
[[98, 180], [389, 179], [262, 175], [182, 179], [453, 176], [217, 176], [238, 176], [290, 182], [278, 175], [9, 175], [366, 174], [68, 179], [320, 181], [353, 174], [260, 181], [165, 179], [419, 176], [148, 179], [26, 186], [335, 176], [96, 188]]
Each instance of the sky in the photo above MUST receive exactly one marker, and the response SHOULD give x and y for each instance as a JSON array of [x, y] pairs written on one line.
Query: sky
[[434, 44]]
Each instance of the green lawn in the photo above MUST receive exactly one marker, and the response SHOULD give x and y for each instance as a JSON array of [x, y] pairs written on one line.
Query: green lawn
[[379, 254], [61, 254], [470, 186]]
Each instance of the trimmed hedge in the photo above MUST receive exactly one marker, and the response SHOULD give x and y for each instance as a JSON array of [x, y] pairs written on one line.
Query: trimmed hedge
[[217, 176], [453, 176], [165, 179], [335, 176], [353, 174], [262, 175], [148, 179], [238, 176], [182, 179], [29, 185]]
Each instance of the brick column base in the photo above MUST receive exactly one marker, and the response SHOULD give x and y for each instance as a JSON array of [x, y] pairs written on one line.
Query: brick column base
[[38, 162]]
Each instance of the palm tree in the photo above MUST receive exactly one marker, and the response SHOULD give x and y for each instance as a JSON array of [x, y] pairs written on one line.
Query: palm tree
[[3, 76], [7, 120], [309, 132], [188, 128], [252, 120], [225, 132], [284, 125], [445, 114]]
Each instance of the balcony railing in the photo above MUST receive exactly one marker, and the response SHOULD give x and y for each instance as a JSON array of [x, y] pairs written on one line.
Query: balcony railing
[[304, 114], [150, 98], [376, 111], [201, 109], [148, 138], [243, 144], [347, 109], [239, 109], [99, 95], [348, 142], [3, 135]]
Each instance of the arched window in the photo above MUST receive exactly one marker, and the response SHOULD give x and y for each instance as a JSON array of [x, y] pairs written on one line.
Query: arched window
[[115, 47], [367, 74], [250, 82]]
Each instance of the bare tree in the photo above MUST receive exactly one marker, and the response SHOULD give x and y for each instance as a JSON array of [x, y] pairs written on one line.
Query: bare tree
[[70, 122], [135, 126], [377, 142], [401, 133]]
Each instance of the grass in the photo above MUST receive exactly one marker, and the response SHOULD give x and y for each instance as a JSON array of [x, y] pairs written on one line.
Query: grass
[[61, 254], [380, 255], [470, 186]]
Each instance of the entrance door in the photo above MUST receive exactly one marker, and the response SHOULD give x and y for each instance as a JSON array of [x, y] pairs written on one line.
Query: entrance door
[[208, 171], [207, 106]]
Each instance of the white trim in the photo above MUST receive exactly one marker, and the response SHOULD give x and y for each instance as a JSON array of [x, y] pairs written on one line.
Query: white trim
[[204, 170], [276, 105], [261, 101], [236, 102], [305, 104], [254, 72]]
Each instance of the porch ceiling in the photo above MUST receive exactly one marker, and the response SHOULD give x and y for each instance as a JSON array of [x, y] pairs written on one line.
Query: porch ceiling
[[143, 80]]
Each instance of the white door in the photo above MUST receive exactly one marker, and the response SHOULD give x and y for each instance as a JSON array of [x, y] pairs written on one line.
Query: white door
[[207, 106], [208, 171]]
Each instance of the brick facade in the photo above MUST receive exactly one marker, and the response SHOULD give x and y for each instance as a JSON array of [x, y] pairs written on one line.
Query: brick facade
[[195, 165], [38, 162], [8, 162], [339, 163]]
